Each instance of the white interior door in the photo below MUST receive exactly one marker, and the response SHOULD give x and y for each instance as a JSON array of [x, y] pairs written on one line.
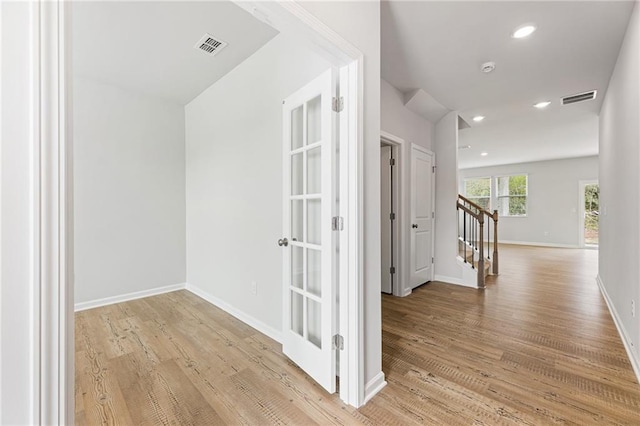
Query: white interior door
[[386, 225], [309, 243], [422, 213]]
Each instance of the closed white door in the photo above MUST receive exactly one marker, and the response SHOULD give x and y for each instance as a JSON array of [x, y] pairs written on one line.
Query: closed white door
[[422, 214], [309, 243]]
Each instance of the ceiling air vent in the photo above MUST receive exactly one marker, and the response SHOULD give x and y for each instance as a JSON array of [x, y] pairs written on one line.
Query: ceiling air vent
[[210, 45], [586, 96]]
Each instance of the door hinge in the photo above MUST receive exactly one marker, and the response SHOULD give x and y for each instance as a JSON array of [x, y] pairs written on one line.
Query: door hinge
[[433, 169], [338, 104], [392, 270], [392, 161], [392, 216], [432, 260], [433, 215], [338, 342], [337, 223]]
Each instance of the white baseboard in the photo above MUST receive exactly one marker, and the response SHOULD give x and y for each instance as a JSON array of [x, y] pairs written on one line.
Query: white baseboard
[[82, 306], [452, 280], [242, 316], [635, 362], [374, 386], [537, 244]]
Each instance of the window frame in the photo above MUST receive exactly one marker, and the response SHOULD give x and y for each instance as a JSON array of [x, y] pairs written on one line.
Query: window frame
[[498, 197], [473, 198]]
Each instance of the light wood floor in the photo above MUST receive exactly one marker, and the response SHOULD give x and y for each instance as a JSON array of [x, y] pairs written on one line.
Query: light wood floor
[[537, 347]]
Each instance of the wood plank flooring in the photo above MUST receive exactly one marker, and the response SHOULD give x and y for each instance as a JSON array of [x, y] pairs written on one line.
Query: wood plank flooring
[[536, 347]]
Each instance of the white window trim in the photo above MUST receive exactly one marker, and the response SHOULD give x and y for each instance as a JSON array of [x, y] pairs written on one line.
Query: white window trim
[[494, 190], [464, 187]]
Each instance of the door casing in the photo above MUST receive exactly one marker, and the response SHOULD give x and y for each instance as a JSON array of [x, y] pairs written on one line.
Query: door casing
[[400, 191]]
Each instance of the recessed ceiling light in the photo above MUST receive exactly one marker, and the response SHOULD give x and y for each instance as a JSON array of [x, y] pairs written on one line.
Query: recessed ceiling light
[[523, 31], [478, 118], [484, 154], [541, 105]]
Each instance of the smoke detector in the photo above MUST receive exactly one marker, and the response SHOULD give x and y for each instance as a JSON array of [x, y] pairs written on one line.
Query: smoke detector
[[210, 45], [487, 67]]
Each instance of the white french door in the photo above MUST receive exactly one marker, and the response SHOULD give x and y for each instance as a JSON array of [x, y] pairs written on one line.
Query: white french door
[[309, 243], [422, 214]]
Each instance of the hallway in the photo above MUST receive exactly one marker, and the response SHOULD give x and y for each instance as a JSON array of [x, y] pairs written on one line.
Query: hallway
[[538, 346]]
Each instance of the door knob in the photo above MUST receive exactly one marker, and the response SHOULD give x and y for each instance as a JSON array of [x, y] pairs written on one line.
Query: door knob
[[283, 242], [414, 225]]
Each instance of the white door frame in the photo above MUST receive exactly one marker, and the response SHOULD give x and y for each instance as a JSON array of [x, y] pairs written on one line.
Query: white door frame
[[581, 187], [53, 313], [399, 229]]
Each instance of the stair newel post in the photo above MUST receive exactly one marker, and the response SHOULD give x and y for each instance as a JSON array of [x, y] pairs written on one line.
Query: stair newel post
[[481, 252], [488, 239], [464, 238], [495, 242]]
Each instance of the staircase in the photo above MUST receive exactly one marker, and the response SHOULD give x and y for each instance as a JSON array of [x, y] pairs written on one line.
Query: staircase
[[476, 227]]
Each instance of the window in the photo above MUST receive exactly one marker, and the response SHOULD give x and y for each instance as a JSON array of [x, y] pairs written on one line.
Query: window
[[478, 190], [511, 195]]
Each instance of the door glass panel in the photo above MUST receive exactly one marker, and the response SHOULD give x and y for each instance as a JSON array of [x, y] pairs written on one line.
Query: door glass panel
[[296, 220], [296, 174], [313, 221], [313, 272], [313, 121], [313, 171], [313, 323], [297, 267], [296, 128], [297, 313]]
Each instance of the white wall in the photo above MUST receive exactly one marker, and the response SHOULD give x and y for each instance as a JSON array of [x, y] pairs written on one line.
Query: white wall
[[620, 188], [234, 179], [446, 228], [359, 23], [397, 119], [16, 221], [552, 202], [129, 166]]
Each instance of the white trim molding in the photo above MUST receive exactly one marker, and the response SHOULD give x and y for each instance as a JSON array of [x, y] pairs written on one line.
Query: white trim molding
[[452, 280], [83, 306], [635, 362], [235, 312], [538, 244], [374, 386], [53, 235]]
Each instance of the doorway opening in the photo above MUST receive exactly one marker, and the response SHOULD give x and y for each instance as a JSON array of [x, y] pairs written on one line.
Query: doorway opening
[[55, 316], [388, 212], [392, 215], [589, 213]]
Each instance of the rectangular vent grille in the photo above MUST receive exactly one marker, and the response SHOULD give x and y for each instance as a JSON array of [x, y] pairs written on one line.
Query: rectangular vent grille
[[210, 45], [580, 97]]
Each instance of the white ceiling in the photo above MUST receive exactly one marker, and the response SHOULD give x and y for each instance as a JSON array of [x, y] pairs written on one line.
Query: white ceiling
[[148, 46], [440, 46]]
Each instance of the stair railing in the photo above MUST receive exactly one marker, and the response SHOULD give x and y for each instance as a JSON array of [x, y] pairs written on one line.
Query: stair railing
[[471, 225]]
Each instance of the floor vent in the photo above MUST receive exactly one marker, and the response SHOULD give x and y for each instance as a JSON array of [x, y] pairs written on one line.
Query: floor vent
[[580, 97], [210, 45]]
